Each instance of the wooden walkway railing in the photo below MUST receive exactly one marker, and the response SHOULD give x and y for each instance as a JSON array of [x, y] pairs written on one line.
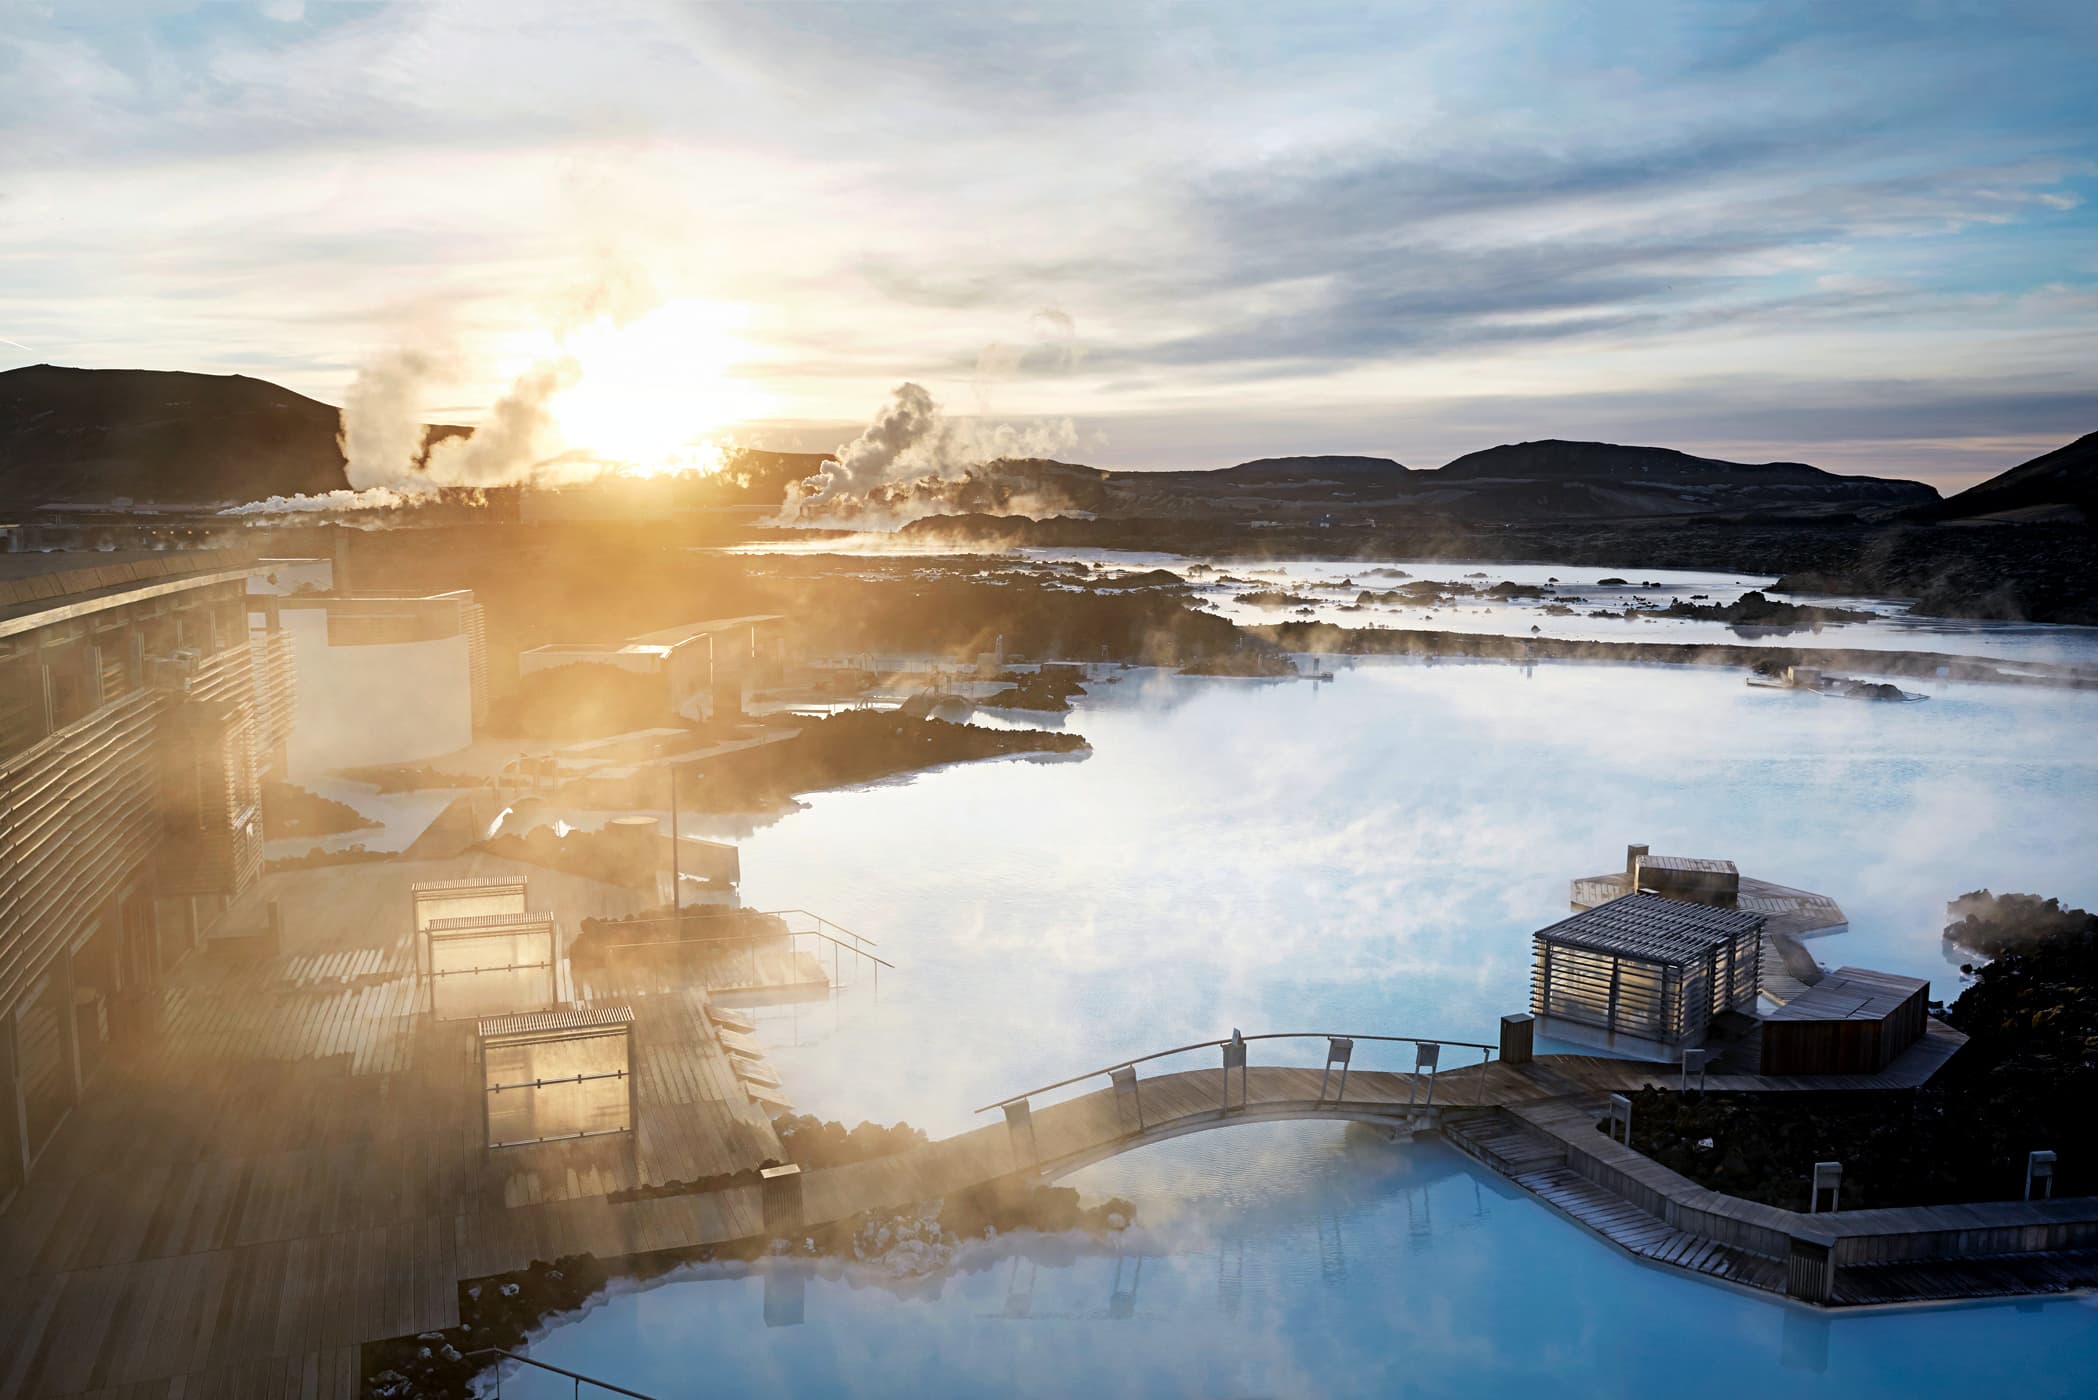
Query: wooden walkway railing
[[1340, 1051]]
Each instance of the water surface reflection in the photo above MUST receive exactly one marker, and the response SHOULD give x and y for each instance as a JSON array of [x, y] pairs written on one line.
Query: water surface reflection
[[1304, 1261]]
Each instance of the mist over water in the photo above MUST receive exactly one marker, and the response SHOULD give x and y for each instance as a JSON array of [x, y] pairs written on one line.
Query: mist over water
[[1370, 855], [1370, 1269], [1367, 855]]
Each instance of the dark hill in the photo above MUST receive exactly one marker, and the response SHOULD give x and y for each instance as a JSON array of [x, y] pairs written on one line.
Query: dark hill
[[2048, 487], [1556, 460], [94, 434], [162, 436], [1330, 468]]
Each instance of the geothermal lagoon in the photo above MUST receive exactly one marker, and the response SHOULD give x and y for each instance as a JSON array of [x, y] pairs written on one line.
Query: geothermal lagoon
[[1362, 855]]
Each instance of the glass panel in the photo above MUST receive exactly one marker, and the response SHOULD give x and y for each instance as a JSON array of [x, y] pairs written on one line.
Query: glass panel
[[527, 1114], [461, 996]]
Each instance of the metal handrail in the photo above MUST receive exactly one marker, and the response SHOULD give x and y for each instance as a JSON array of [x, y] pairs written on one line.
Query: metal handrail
[[577, 1376], [704, 912], [755, 938], [1218, 1044]]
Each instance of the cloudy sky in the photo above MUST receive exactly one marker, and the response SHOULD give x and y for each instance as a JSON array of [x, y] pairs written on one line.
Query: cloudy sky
[[1858, 236]]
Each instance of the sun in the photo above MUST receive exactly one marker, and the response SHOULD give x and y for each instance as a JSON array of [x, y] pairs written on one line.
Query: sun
[[645, 395]]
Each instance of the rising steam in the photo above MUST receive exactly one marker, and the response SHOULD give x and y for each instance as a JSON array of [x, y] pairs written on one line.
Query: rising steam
[[612, 395], [913, 461]]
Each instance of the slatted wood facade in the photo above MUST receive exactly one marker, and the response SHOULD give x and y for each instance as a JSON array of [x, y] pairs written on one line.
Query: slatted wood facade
[[1642, 972], [1855, 1021], [127, 775]]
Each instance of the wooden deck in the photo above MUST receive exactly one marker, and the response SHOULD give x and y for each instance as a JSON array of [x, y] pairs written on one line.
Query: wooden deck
[[288, 1162], [1090, 1127]]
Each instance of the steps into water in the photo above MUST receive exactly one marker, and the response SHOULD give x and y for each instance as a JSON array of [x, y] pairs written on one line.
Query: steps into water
[[1513, 1149]]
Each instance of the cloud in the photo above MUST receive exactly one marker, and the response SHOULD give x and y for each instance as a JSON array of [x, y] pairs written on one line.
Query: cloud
[[1244, 216]]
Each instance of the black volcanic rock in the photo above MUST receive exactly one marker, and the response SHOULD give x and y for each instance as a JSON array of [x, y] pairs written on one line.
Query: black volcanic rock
[[2061, 485]]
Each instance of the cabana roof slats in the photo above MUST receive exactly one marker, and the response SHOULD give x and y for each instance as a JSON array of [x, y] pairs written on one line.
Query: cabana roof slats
[[1652, 929]]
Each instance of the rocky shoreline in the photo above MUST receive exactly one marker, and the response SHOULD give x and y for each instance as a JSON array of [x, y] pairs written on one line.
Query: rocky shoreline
[[2025, 1080], [2032, 573], [503, 1311], [1326, 639]]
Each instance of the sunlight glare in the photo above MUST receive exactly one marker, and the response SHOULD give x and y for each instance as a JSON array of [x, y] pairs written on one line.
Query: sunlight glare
[[648, 393]]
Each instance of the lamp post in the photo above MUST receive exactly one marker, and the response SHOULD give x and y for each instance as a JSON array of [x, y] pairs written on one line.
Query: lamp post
[[677, 877]]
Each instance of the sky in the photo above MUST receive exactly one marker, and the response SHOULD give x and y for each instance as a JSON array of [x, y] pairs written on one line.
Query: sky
[[1158, 235]]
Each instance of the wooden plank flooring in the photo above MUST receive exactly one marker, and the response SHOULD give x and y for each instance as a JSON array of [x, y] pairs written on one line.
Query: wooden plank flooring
[[288, 1162]]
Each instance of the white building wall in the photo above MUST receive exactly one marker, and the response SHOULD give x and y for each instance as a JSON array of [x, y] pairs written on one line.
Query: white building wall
[[394, 702]]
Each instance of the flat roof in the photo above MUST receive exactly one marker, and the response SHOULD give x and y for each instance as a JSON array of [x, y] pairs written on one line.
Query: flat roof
[[371, 596], [686, 631], [1696, 864], [1852, 994], [38, 600], [1651, 929]]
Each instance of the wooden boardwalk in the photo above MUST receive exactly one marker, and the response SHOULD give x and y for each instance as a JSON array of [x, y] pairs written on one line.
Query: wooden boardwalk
[[288, 1164]]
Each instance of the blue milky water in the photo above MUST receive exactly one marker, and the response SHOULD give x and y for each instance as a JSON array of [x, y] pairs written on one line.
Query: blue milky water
[[1366, 855], [1350, 1267]]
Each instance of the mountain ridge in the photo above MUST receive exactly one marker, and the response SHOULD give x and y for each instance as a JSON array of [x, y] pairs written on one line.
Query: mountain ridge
[[179, 437]]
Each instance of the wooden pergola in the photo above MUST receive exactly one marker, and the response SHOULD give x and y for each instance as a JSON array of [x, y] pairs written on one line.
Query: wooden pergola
[[1644, 975]]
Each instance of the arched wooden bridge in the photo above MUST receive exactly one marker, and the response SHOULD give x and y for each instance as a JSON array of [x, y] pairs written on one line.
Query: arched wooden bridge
[[1135, 1104], [1131, 1108]]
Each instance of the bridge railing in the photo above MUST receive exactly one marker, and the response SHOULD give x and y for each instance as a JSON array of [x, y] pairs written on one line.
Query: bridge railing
[[1339, 1051]]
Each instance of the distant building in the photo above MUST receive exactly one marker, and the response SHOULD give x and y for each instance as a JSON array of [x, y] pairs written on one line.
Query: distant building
[[621, 499], [384, 678], [137, 712], [1791, 912], [706, 668]]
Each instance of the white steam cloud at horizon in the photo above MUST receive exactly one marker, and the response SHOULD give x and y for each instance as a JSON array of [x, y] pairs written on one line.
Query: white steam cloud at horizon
[[913, 460]]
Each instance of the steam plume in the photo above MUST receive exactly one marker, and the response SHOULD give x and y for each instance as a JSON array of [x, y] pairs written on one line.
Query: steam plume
[[912, 461], [382, 427], [510, 446]]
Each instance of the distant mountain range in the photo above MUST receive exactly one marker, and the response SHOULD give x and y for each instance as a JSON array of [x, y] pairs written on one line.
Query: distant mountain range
[[1529, 481], [93, 436]]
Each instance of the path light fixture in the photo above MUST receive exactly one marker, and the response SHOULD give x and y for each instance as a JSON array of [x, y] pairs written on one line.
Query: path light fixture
[[1621, 1113], [2039, 1172], [1828, 1176]]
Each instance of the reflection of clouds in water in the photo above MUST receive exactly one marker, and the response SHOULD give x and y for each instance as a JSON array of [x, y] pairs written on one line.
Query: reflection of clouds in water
[[1370, 855], [1394, 1271]]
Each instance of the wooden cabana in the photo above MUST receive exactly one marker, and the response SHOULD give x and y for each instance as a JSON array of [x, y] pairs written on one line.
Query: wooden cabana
[[490, 965], [552, 1076], [1643, 975]]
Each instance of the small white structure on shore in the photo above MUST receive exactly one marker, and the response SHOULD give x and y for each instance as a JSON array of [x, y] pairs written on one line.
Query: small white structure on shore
[[706, 668]]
